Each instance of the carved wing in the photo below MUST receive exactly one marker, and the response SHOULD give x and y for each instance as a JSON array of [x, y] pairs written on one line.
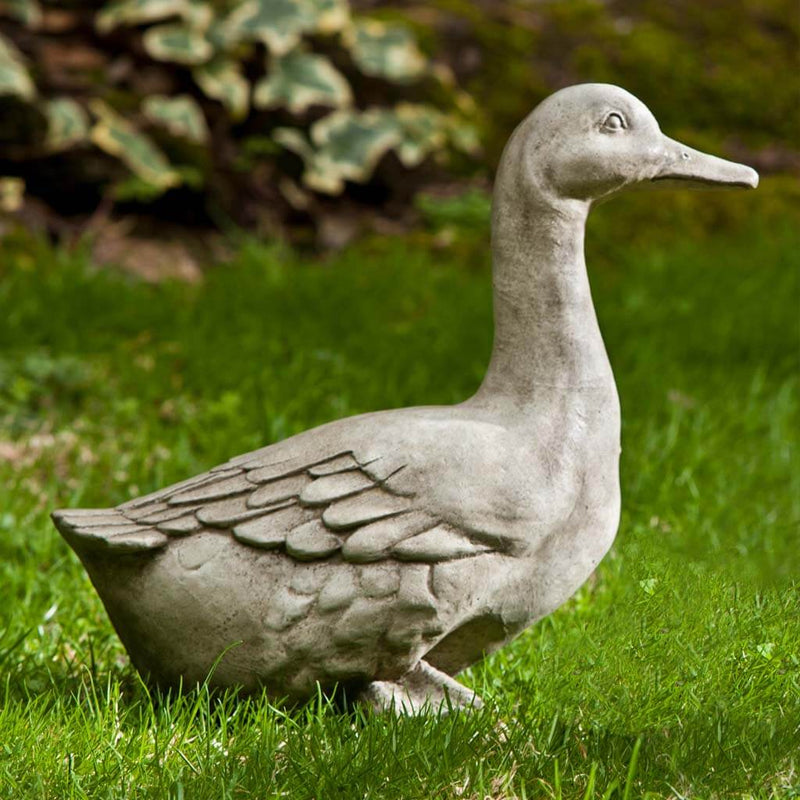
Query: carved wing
[[337, 504]]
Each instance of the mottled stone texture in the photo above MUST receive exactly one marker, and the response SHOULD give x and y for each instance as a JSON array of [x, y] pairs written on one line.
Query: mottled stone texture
[[391, 550]]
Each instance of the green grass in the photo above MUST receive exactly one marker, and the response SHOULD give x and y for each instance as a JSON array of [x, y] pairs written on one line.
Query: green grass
[[675, 672]]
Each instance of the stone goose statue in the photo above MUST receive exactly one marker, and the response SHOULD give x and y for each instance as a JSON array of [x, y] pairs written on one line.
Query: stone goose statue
[[388, 551]]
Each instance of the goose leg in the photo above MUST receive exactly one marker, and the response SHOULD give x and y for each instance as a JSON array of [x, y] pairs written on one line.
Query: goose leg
[[423, 688]]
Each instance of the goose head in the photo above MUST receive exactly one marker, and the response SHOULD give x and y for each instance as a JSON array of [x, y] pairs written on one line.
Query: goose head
[[589, 141]]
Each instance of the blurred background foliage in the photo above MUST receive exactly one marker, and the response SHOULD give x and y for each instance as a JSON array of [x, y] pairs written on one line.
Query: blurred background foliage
[[721, 73], [316, 117], [239, 110]]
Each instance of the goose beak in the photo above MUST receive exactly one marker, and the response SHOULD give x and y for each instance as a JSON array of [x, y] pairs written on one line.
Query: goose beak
[[693, 168]]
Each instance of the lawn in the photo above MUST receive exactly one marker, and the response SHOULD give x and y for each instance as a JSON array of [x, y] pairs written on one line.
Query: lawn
[[674, 672]]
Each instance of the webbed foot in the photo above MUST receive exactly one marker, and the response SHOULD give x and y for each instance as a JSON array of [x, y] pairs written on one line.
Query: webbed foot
[[422, 689]]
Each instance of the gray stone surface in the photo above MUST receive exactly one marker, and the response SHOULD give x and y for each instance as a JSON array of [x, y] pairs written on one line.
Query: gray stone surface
[[391, 550]]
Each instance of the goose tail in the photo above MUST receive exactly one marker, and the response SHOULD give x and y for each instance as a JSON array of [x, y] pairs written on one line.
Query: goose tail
[[105, 529]]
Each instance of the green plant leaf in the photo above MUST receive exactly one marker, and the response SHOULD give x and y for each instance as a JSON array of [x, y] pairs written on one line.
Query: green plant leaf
[[67, 123], [345, 146], [330, 15], [385, 51], [222, 79], [294, 140], [299, 80], [137, 12], [427, 130], [116, 136], [180, 115], [177, 43], [424, 130], [198, 15], [278, 24], [14, 77], [463, 135]]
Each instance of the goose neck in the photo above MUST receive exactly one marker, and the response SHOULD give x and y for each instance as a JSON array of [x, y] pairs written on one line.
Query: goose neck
[[546, 332]]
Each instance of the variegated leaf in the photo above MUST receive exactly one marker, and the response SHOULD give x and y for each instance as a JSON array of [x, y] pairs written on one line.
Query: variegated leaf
[[14, 77], [299, 80], [137, 12], [346, 146], [345, 133], [330, 15], [279, 24], [222, 79], [67, 123], [177, 43], [463, 135], [199, 15], [219, 35], [385, 51], [424, 131], [116, 136], [294, 140], [12, 190], [28, 12], [180, 115]]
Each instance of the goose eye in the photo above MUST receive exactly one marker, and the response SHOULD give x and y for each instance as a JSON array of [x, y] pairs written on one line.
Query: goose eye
[[614, 122]]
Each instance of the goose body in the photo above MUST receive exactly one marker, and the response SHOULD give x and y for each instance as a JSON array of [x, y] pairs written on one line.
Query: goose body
[[391, 550]]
